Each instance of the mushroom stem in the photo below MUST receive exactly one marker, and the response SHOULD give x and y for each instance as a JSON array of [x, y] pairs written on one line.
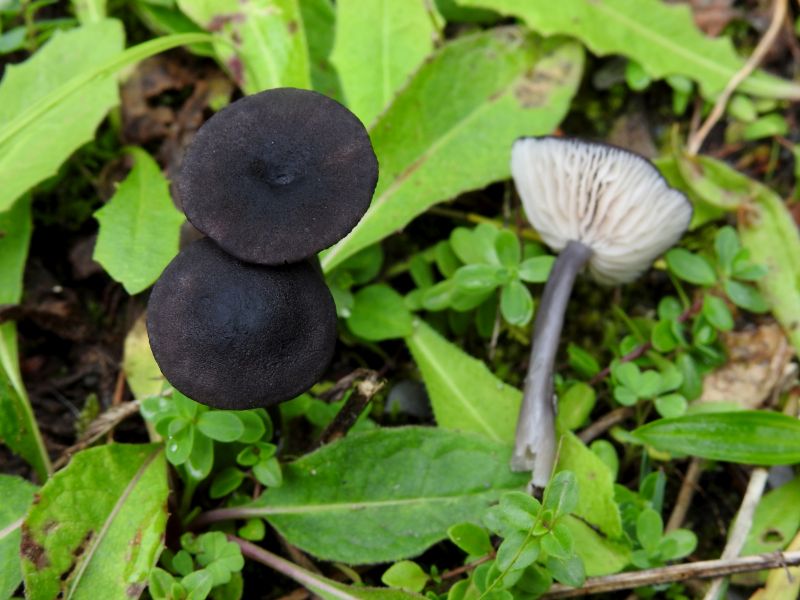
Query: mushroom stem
[[535, 445]]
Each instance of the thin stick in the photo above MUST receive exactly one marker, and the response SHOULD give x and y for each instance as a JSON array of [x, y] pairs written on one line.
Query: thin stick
[[744, 520], [778, 16], [685, 495], [291, 570], [701, 569], [604, 423], [352, 409]]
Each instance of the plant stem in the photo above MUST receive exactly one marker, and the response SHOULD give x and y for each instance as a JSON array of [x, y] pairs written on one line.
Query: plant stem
[[535, 446], [306, 578], [701, 569]]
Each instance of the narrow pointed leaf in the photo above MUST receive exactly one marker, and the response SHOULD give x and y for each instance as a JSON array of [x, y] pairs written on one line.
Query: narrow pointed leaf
[[396, 36], [264, 42], [17, 495], [451, 128]]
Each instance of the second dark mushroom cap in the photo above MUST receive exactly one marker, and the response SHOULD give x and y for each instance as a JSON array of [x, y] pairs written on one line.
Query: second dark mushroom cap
[[235, 335], [278, 176]]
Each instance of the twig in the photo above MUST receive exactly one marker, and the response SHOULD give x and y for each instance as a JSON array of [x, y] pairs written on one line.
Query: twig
[[291, 570], [98, 428], [744, 520], [685, 495], [467, 568], [607, 421], [640, 351], [778, 16], [700, 569], [352, 409], [335, 393]]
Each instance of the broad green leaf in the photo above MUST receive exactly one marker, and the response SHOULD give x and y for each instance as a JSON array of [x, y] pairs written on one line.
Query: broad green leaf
[[263, 42], [140, 367], [451, 128], [18, 427], [464, 394], [750, 437], [335, 505], [661, 37], [319, 20], [17, 495], [139, 227], [396, 35], [776, 520], [405, 575], [97, 525], [690, 267], [37, 151], [51, 104], [379, 313]]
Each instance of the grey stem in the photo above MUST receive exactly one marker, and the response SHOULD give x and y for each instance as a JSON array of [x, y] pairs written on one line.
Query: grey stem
[[535, 446]]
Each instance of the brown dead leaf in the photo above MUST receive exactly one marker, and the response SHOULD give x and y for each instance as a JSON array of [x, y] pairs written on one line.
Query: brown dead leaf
[[712, 16], [758, 360]]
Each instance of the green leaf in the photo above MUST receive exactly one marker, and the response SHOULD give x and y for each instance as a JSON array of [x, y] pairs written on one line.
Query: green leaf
[[661, 37], [776, 520], [628, 374], [649, 528], [464, 394], [319, 21], [200, 461], [478, 278], [575, 405], [179, 442], [750, 437], [219, 556], [430, 480], [726, 246], [745, 296], [17, 495], [716, 312], [221, 425], [516, 303], [561, 494], [671, 405], [471, 538], [263, 42], [140, 367], [405, 575], [98, 524], [450, 129], [37, 149], [569, 571], [139, 227], [584, 363], [507, 247], [268, 472], [18, 427], [677, 544], [536, 269], [690, 267], [380, 313], [396, 36], [225, 482]]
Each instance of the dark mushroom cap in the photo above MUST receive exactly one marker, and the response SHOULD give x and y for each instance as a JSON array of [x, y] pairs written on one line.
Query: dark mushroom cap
[[278, 176], [235, 335]]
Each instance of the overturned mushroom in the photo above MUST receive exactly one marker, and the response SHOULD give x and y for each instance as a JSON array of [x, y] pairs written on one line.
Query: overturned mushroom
[[235, 335], [278, 176], [594, 204]]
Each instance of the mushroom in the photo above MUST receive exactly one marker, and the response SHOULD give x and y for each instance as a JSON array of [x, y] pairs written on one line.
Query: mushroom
[[596, 204], [235, 335], [278, 176]]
